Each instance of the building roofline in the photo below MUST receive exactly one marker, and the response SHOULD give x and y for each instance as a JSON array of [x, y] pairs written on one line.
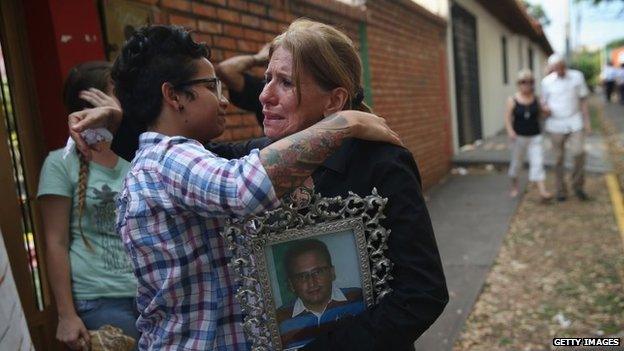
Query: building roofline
[[514, 16]]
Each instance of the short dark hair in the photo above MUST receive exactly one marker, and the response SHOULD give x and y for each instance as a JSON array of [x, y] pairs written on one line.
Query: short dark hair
[[305, 246], [152, 56], [91, 74]]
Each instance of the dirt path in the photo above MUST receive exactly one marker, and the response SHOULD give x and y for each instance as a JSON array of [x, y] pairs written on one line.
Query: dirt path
[[560, 273]]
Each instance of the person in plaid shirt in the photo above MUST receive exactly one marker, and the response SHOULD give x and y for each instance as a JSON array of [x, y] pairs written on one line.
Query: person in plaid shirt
[[177, 193]]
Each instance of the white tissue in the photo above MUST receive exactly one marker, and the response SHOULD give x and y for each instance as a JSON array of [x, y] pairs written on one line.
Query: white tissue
[[91, 137]]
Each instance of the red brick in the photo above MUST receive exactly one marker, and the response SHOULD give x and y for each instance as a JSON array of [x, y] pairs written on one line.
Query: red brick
[[182, 5], [216, 55], [226, 136], [230, 53], [224, 42], [249, 120], [210, 27], [250, 21], [233, 121], [204, 10], [217, 2], [237, 4], [233, 31], [183, 21], [202, 38], [278, 14], [258, 9], [268, 37], [269, 26], [254, 35], [160, 18], [246, 46], [228, 16]]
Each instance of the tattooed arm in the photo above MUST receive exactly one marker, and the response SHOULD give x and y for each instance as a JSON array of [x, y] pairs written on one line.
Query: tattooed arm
[[291, 160]]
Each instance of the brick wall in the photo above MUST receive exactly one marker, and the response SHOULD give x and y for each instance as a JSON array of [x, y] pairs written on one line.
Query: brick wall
[[407, 59], [407, 50]]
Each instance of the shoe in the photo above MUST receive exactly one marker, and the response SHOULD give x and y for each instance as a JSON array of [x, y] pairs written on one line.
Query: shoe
[[545, 199], [581, 195], [561, 198]]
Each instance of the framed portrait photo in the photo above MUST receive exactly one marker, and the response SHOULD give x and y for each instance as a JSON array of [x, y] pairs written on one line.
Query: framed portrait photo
[[308, 264]]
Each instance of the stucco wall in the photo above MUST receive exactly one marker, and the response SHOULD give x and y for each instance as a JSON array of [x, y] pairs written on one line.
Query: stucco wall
[[493, 90]]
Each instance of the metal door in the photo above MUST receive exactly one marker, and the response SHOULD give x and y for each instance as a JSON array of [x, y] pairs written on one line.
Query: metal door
[[466, 75]]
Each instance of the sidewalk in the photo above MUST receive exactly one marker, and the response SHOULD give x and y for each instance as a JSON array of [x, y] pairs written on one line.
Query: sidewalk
[[496, 151], [471, 215]]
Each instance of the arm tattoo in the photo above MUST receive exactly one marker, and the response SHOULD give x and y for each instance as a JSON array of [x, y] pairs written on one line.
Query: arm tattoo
[[290, 161]]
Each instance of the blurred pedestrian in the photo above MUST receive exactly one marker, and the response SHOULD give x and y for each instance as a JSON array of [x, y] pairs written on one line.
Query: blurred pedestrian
[[564, 93], [523, 128], [619, 79], [244, 88], [608, 76], [90, 273]]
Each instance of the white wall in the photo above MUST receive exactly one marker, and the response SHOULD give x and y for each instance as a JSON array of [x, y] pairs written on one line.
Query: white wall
[[493, 91], [12, 319]]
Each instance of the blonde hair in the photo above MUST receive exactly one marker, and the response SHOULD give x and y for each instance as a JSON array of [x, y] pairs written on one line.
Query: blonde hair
[[524, 74], [328, 55]]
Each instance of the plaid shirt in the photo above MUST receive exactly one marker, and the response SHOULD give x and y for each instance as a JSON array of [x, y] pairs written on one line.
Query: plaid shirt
[[171, 210]]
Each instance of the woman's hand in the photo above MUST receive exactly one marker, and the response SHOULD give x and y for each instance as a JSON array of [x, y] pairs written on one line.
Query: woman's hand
[[98, 98], [368, 126], [546, 112], [97, 117], [72, 331], [512, 135], [107, 114]]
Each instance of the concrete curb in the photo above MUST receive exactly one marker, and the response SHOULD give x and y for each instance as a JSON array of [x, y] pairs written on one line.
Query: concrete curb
[[617, 200]]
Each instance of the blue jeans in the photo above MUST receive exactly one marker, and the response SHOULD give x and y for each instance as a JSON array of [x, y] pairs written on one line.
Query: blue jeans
[[118, 312]]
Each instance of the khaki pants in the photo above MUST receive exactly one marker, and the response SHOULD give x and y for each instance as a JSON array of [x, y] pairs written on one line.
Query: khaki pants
[[576, 147]]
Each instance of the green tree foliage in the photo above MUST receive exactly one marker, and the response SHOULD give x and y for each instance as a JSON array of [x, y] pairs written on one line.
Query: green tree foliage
[[615, 43], [537, 11], [587, 62]]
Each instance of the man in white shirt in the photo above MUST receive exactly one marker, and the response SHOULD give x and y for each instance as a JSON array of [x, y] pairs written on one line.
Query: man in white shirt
[[565, 95], [608, 76]]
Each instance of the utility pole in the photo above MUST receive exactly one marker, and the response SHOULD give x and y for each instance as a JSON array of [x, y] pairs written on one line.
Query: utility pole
[[566, 12]]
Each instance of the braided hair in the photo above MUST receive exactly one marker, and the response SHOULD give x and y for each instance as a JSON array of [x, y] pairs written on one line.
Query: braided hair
[[92, 74]]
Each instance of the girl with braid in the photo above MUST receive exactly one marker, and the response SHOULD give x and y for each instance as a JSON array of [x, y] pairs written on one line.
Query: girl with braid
[[90, 274]]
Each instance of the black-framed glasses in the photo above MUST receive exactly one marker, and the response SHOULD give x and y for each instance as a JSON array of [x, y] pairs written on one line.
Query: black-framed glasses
[[214, 84], [309, 275]]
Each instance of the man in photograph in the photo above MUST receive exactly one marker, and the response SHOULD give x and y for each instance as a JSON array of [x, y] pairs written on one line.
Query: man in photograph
[[319, 303]]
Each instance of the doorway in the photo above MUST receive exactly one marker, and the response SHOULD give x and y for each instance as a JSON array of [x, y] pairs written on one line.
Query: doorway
[[21, 153], [466, 63]]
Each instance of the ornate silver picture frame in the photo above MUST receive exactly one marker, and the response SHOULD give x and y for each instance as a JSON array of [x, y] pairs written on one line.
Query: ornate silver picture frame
[[271, 254]]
